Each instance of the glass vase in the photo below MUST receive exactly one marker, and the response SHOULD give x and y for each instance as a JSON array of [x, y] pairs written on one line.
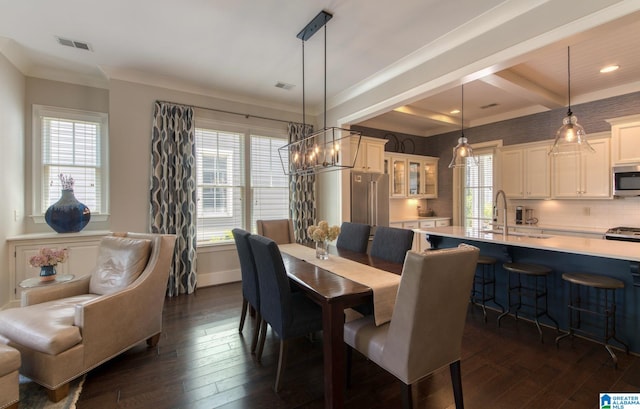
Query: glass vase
[[47, 273], [322, 249]]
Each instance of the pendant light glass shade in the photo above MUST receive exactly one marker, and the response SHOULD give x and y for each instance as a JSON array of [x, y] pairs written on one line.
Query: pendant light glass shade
[[571, 138], [463, 152]]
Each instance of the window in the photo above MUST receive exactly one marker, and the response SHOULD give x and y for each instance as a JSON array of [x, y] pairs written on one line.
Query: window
[[225, 155], [73, 143], [478, 191]]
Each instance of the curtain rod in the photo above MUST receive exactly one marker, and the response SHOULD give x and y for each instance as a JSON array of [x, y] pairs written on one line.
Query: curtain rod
[[229, 112]]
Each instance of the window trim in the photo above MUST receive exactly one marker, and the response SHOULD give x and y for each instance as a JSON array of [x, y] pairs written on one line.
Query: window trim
[[247, 130], [458, 179], [39, 111]]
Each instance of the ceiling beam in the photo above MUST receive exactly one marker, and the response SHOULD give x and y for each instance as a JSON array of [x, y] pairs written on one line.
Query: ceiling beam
[[515, 84], [426, 114]]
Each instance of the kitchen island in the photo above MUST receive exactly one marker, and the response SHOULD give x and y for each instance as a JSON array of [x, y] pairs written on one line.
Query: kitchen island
[[563, 254]]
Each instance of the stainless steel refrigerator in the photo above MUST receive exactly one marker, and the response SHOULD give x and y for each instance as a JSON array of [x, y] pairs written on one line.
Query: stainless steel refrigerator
[[370, 199]]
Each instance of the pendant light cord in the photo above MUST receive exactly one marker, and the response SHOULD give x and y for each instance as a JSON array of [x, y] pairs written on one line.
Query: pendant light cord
[[304, 122], [325, 77], [462, 111], [569, 113]]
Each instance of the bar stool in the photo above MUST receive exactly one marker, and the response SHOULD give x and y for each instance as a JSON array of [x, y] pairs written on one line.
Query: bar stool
[[485, 278], [531, 290], [602, 290]]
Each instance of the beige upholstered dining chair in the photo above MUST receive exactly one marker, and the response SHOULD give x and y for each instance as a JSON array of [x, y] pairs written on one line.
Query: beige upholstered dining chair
[[66, 330], [425, 331], [280, 231]]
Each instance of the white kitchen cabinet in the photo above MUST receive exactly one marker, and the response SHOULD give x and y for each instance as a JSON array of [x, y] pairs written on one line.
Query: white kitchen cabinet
[[412, 176], [586, 175], [370, 155], [526, 171], [83, 254], [625, 140]]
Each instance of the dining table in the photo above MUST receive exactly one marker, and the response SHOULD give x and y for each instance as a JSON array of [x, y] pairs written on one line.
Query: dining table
[[335, 293]]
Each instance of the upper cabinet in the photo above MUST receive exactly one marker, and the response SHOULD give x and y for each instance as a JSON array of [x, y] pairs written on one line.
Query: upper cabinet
[[625, 140], [526, 171], [412, 176], [370, 155], [586, 175]]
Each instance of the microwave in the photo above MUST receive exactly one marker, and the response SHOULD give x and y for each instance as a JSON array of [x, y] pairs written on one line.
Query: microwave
[[626, 180]]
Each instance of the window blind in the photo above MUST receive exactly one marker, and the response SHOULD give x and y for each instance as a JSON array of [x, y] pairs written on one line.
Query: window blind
[[269, 184], [478, 192], [72, 148]]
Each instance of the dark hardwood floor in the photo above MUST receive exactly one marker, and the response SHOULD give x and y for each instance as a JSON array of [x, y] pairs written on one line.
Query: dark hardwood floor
[[202, 361]]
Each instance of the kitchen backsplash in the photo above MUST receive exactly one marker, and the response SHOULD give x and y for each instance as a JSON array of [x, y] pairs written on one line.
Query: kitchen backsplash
[[592, 214], [405, 208]]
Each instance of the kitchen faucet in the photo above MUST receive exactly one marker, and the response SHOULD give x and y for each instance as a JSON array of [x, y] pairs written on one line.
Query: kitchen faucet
[[504, 214]]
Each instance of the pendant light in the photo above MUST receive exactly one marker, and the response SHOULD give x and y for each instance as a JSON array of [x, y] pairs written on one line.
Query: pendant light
[[571, 138], [463, 152], [320, 151]]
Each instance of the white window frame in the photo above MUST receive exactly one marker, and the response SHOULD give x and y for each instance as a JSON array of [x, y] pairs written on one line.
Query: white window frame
[[247, 131], [40, 111], [458, 179]]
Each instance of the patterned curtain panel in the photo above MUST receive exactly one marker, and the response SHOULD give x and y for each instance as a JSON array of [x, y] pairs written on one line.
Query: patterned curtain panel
[[173, 189], [302, 207]]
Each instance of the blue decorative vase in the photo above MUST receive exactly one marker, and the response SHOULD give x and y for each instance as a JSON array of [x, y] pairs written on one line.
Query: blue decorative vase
[[67, 215], [47, 273]]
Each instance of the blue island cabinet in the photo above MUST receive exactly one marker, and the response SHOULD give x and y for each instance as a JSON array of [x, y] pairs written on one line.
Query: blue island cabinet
[[627, 299]]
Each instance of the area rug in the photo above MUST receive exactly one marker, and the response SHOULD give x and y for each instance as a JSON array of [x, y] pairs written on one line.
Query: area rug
[[34, 396]]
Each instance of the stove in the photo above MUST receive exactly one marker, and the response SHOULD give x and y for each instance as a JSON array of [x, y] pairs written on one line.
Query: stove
[[623, 234]]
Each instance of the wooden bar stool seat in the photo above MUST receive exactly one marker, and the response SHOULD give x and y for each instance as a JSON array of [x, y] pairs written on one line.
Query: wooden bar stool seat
[[593, 295], [484, 284], [529, 290]]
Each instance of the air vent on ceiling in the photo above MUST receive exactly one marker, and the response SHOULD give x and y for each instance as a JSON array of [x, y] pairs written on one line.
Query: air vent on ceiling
[[489, 106], [284, 85], [75, 44]]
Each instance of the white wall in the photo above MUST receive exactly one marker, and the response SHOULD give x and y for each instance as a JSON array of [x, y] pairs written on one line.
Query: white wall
[[12, 113]]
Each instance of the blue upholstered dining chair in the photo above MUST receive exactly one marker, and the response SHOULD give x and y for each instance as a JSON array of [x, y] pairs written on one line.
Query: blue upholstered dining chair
[[250, 290], [290, 314], [391, 244], [354, 237], [427, 325]]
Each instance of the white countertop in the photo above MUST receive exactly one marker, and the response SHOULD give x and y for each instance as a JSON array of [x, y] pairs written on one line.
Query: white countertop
[[621, 250], [418, 218]]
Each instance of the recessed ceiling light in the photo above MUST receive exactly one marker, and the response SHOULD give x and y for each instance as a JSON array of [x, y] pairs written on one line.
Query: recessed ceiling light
[[609, 68], [455, 111]]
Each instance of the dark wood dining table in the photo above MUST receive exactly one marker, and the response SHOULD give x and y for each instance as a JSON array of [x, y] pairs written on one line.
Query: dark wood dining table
[[334, 293]]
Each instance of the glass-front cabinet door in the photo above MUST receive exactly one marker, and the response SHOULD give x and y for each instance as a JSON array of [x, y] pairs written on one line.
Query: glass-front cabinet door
[[430, 177], [415, 186], [398, 177]]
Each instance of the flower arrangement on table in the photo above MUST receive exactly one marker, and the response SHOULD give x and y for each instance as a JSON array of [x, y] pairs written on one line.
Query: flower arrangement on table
[[322, 234], [66, 181], [47, 260]]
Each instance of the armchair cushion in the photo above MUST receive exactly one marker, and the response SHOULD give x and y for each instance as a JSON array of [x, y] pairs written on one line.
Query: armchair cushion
[[46, 327], [120, 262]]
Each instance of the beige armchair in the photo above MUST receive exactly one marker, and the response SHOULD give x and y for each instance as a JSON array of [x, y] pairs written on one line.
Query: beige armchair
[[425, 331], [281, 230], [67, 329]]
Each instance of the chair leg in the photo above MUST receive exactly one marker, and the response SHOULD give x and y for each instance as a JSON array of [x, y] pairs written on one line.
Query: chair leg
[[153, 341], [263, 333], [456, 380], [256, 332], [243, 314], [407, 396], [281, 363], [56, 395]]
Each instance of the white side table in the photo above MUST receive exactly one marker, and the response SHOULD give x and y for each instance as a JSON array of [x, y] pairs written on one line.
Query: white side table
[[36, 282]]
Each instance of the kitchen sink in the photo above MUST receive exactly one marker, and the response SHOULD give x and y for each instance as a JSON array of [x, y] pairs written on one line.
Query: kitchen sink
[[531, 235]]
